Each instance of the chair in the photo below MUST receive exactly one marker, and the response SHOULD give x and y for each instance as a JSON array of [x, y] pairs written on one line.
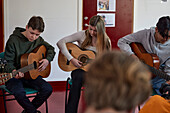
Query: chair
[[2, 55], [5, 92], [68, 85]]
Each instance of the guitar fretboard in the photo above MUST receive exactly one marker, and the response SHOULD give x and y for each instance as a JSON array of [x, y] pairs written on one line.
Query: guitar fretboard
[[158, 73], [25, 69]]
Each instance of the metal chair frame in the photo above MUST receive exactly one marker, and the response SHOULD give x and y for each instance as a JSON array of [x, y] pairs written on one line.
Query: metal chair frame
[[68, 85], [29, 92], [5, 92]]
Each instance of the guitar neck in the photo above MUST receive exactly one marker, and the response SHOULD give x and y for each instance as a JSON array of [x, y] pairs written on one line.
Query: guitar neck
[[25, 69], [158, 73]]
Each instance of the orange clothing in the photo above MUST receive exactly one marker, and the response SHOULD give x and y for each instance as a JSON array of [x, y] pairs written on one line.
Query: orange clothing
[[156, 104]]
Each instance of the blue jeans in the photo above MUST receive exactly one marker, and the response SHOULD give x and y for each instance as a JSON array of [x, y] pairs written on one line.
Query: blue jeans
[[16, 86], [156, 84]]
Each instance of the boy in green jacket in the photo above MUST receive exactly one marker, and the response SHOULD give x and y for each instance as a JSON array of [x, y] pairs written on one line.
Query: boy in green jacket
[[25, 41]]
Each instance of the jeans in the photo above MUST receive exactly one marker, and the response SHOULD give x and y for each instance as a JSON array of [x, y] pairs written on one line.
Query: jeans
[[75, 90], [16, 86], [156, 84]]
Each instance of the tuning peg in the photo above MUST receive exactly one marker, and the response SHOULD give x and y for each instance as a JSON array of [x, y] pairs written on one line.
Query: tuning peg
[[5, 62], [0, 60]]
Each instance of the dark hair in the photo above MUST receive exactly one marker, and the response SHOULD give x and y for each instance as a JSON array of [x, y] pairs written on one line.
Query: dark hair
[[36, 22], [163, 25]]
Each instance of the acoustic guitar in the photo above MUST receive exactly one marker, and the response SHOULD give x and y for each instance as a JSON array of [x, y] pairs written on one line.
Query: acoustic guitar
[[85, 56], [29, 65], [151, 60]]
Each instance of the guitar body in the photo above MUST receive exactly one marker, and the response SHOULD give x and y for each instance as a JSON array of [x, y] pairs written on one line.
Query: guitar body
[[82, 55], [149, 59], [35, 56]]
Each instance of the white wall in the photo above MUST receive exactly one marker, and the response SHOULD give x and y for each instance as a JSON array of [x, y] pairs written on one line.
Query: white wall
[[147, 13], [63, 17]]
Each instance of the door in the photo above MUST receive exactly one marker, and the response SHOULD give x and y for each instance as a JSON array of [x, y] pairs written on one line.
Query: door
[[123, 18], [1, 27]]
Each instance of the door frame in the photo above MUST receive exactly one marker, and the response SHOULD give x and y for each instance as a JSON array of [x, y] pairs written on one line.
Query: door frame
[[1, 26]]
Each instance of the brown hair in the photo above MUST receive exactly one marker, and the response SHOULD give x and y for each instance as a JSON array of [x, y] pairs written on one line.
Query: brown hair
[[116, 80], [36, 22], [103, 41]]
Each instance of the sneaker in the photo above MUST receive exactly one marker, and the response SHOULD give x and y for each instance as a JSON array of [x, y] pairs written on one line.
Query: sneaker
[[23, 111], [38, 111]]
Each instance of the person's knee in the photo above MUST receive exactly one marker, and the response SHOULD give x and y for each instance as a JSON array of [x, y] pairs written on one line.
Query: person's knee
[[50, 89], [47, 89], [77, 75]]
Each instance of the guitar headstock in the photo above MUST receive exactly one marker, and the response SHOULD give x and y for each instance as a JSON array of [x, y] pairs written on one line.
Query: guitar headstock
[[5, 77], [3, 63]]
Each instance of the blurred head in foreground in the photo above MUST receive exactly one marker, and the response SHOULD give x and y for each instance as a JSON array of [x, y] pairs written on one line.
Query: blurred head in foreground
[[116, 82]]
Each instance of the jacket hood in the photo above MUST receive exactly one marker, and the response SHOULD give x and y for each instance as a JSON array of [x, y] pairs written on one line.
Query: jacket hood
[[17, 31]]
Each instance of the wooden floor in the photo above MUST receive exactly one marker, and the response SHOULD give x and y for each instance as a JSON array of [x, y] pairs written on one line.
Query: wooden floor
[[56, 102]]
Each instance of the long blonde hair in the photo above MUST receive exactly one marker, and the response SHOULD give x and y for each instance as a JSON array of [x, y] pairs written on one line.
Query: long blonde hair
[[103, 42]]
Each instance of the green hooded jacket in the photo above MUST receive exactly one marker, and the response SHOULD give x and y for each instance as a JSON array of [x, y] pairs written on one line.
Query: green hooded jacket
[[18, 44]]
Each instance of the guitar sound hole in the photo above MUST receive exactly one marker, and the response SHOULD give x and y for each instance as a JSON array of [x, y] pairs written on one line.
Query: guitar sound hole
[[83, 58]]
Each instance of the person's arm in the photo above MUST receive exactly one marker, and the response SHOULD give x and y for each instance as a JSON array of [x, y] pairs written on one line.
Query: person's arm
[[10, 55], [167, 68], [50, 51], [76, 37], [123, 43], [50, 56]]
